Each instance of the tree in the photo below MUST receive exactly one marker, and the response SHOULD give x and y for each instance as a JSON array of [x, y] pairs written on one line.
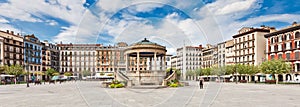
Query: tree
[[86, 73], [198, 72], [206, 71], [2, 69], [173, 69], [15, 70], [68, 74], [190, 73], [275, 67], [51, 72], [229, 69]]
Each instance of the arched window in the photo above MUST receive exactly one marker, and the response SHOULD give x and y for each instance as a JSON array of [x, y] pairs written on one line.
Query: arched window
[[297, 35]]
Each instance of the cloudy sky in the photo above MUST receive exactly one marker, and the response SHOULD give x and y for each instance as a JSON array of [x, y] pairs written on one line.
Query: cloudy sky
[[172, 23]]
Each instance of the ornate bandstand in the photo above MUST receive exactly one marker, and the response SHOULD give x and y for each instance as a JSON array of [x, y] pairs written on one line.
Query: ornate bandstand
[[145, 63]]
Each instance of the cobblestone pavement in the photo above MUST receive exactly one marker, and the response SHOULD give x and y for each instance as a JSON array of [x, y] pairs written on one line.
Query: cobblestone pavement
[[91, 94]]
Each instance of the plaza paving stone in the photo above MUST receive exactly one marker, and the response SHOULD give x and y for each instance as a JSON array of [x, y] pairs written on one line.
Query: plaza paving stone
[[91, 94]]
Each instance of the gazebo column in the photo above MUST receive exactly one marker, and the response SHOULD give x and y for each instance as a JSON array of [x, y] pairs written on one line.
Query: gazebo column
[[127, 62], [138, 68], [164, 62], [138, 61], [155, 64], [150, 66]]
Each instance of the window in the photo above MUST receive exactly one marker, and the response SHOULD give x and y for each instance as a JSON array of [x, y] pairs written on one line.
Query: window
[[272, 56], [297, 35], [280, 39], [288, 56], [297, 55], [279, 56], [284, 37]]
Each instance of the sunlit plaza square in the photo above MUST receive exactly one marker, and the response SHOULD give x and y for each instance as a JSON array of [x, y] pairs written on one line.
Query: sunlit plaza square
[[91, 94]]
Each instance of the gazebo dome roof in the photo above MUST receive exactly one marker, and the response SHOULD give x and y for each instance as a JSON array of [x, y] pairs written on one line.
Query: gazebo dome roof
[[145, 42]]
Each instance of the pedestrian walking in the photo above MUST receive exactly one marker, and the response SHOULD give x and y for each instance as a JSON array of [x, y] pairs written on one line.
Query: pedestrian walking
[[201, 83]]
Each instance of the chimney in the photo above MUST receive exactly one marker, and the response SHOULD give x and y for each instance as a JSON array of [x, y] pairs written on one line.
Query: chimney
[[7, 31], [12, 32], [272, 29], [294, 24]]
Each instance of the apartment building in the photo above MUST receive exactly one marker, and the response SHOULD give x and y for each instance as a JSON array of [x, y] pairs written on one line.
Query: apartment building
[[249, 45], [188, 59], [12, 48], [168, 61], [221, 54], [229, 52], [1, 51], [285, 44], [111, 58], [50, 56], [174, 61], [77, 58], [33, 54], [208, 56]]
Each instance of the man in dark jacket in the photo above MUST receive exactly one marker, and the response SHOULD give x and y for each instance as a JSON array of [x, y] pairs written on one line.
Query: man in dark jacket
[[201, 83]]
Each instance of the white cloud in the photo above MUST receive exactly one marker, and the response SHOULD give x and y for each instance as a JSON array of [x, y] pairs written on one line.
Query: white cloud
[[3, 20], [16, 12], [52, 22], [212, 23], [223, 7]]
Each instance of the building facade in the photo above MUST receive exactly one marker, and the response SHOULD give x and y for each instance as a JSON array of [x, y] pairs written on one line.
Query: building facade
[[249, 45], [50, 56], [1, 51], [229, 52], [285, 44], [33, 54], [77, 58], [12, 48], [111, 58], [208, 56], [221, 54], [188, 59]]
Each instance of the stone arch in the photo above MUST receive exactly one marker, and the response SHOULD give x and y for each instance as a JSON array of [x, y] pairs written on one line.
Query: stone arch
[[297, 35], [280, 77], [288, 77]]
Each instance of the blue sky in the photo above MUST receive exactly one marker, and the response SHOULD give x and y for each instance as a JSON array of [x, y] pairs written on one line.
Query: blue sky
[[172, 23]]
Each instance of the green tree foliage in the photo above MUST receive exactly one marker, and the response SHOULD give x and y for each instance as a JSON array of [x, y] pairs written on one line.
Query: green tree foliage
[[51, 72], [190, 73], [198, 72], [86, 73], [275, 67], [206, 71], [251, 70], [241, 69], [218, 71], [173, 69], [68, 74], [229, 69], [2, 69], [16, 70]]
